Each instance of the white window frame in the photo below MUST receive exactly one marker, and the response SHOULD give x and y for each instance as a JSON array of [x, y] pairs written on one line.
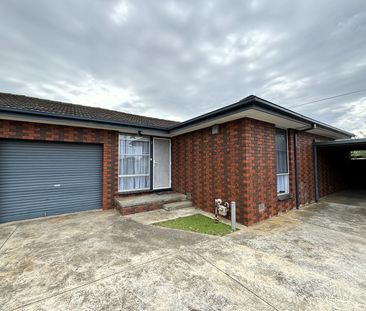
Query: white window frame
[[137, 175], [288, 166]]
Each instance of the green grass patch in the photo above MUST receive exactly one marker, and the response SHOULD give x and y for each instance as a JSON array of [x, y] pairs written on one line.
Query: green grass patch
[[197, 223]]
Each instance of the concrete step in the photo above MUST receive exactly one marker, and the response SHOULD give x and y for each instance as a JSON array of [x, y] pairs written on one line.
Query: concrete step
[[151, 198], [177, 205]]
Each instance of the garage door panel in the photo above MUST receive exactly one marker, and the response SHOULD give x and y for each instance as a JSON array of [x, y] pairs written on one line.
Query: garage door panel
[[37, 213], [21, 183], [45, 206], [46, 178], [40, 196]]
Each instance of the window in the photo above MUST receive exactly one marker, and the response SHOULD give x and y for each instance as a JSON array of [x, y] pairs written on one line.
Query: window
[[282, 162], [134, 163]]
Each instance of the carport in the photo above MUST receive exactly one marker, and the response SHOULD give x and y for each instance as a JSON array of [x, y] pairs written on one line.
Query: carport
[[339, 165]]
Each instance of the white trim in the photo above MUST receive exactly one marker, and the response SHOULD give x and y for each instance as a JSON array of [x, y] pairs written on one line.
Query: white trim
[[132, 190], [137, 175], [170, 163]]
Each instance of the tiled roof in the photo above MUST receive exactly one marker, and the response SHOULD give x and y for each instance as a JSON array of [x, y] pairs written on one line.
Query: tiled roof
[[25, 104]]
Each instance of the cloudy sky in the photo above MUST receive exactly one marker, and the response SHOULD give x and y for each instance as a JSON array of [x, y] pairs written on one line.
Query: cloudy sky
[[179, 59]]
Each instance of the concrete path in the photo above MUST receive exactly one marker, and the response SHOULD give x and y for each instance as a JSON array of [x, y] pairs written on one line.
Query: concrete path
[[312, 259]]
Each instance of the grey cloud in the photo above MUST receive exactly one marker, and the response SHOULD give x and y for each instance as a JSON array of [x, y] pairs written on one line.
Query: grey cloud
[[184, 58]]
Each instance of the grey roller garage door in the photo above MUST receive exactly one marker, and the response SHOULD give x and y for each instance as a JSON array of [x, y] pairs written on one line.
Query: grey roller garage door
[[46, 178]]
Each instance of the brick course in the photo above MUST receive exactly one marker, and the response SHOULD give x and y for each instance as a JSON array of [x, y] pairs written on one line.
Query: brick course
[[46, 132]]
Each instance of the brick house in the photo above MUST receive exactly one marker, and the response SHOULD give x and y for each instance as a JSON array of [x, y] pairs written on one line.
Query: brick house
[[57, 158]]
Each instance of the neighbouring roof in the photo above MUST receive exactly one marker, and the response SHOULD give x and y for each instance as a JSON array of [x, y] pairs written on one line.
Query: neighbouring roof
[[32, 105], [249, 107]]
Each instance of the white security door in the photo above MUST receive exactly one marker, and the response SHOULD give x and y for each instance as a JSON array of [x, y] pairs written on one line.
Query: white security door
[[161, 163]]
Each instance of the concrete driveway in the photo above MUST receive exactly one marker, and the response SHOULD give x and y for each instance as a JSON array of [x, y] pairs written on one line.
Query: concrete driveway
[[312, 259]]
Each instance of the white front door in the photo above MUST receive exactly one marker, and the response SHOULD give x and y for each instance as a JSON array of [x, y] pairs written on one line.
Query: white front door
[[161, 163]]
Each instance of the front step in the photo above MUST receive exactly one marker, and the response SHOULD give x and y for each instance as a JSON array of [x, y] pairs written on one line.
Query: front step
[[150, 198], [131, 204], [177, 205]]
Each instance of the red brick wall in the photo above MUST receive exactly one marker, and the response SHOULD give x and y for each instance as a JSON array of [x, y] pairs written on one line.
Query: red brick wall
[[207, 166], [45, 132], [239, 164], [305, 159], [261, 179], [333, 170]]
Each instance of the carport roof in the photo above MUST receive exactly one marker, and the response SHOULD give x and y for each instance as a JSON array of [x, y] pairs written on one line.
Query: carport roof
[[359, 143]]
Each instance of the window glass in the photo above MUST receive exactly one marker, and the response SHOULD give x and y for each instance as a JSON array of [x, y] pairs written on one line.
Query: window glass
[[134, 145], [134, 163], [282, 184], [282, 161]]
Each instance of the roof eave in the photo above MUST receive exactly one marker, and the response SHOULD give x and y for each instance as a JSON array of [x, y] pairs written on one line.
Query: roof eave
[[253, 102], [213, 114], [250, 102], [302, 118]]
